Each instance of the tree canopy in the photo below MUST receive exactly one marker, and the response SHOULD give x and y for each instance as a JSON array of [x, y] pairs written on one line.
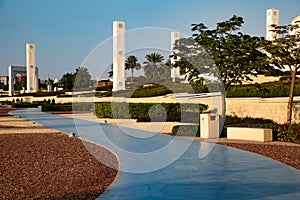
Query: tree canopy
[[224, 52], [154, 68], [284, 52], [80, 79], [131, 63]]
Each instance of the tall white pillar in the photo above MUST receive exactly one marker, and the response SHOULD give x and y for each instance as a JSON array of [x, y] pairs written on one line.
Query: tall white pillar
[[118, 55], [10, 80], [272, 19], [175, 72], [31, 71]]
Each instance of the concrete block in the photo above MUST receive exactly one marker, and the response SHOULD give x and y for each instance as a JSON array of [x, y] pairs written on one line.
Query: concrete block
[[254, 134]]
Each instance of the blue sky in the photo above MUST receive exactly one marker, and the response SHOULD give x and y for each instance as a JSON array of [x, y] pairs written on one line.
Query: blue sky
[[65, 31]]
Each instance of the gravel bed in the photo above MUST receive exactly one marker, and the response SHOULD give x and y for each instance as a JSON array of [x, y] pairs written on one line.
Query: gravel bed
[[51, 166], [287, 154]]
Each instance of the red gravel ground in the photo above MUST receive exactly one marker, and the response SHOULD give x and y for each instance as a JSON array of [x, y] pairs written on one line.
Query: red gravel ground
[[51, 166], [287, 154]]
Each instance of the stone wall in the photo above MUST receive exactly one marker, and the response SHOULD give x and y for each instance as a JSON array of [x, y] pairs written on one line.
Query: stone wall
[[268, 108]]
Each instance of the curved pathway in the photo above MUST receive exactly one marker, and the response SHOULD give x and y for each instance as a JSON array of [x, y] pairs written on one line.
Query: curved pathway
[[225, 173]]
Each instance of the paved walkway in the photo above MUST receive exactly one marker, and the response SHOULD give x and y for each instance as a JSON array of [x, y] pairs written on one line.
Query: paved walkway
[[225, 173]]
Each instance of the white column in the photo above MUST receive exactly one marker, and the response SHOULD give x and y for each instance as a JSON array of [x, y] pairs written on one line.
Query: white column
[[175, 72], [31, 70], [272, 19], [118, 55], [10, 80]]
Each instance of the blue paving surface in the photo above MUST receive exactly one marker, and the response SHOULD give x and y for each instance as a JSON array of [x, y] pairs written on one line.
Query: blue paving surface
[[225, 173]]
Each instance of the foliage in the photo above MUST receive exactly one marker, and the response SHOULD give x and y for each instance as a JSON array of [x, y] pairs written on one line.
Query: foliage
[[289, 133], [80, 106], [154, 69], [111, 72], [264, 90], [285, 52], [151, 91], [68, 80], [186, 130], [234, 54], [24, 105], [150, 111], [82, 78], [132, 64]]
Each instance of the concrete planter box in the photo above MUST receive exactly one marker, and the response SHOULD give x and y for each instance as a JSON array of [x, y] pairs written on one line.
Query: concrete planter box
[[254, 134]]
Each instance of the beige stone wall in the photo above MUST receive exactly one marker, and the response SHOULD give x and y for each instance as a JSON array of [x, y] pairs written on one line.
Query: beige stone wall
[[268, 108]]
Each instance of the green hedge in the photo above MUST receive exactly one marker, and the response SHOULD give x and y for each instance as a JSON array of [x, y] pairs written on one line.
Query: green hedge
[[265, 90], [24, 105], [57, 107], [84, 106], [140, 111], [186, 130]]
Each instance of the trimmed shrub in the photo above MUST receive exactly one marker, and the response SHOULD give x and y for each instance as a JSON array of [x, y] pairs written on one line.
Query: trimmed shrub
[[264, 90], [186, 130], [140, 111], [80, 106], [57, 107], [24, 105]]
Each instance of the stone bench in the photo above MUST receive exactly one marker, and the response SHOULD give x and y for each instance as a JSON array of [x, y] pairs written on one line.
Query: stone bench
[[254, 134]]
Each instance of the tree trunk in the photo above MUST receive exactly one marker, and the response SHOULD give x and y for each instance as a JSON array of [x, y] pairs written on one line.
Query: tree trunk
[[223, 114], [291, 97], [131, 75]]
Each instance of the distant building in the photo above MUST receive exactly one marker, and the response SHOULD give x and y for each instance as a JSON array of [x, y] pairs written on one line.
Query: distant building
[[103, 83], [3, 80]]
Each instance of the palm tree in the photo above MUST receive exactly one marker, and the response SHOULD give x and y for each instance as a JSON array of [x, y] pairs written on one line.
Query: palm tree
[[153, 66], [132, 63], [111, 72]]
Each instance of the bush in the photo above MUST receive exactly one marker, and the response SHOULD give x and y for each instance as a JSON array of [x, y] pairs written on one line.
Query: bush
[[140, 111], [24, 105], [288, 133], [56, 107], [84, 106], [264, 90], [186, 130]]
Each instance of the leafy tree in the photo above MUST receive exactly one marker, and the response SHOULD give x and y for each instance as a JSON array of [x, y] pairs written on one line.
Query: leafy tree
[[235, 55], [284, 52], [222, 52], [131, 64], [154, 68], [82, 78], [68, 80]]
